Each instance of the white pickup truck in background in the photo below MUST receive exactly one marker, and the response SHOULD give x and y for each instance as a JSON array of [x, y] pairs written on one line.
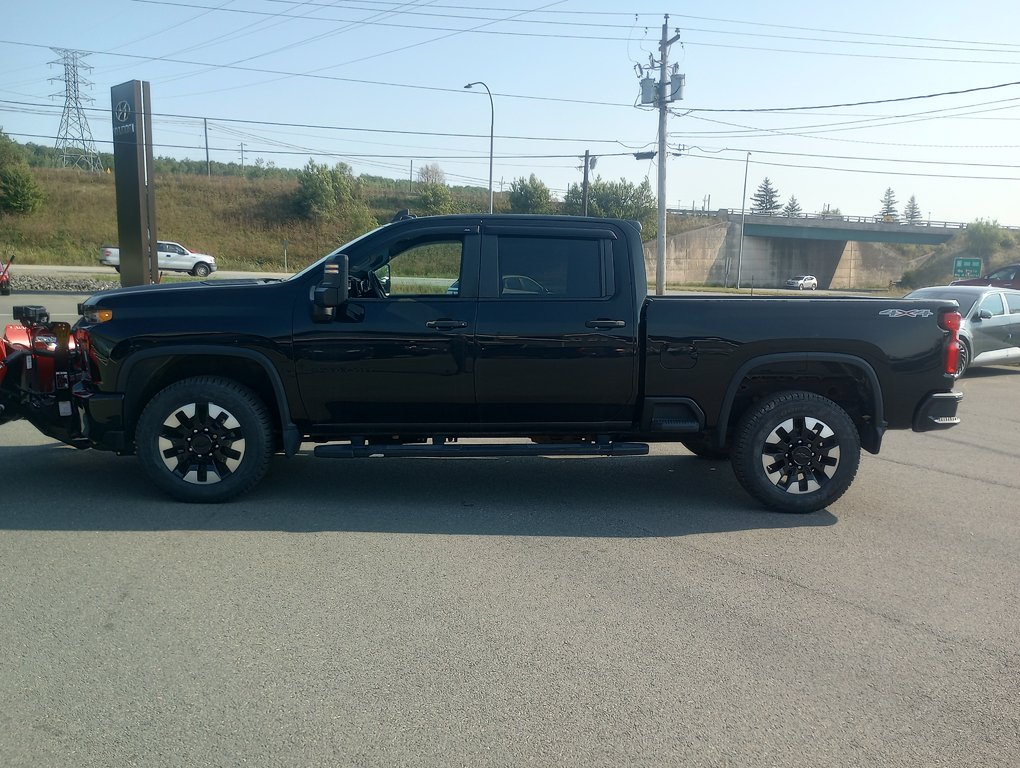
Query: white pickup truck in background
[[172, 257]]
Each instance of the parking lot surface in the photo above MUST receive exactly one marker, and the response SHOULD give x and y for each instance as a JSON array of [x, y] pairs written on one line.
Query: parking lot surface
[[505, 612]]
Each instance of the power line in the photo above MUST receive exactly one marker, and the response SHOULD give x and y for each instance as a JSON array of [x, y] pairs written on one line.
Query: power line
[[169, 115], [868, 103], [419, 27]]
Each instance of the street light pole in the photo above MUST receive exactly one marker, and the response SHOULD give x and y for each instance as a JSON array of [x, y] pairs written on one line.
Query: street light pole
[[743, 210], [492, 134]]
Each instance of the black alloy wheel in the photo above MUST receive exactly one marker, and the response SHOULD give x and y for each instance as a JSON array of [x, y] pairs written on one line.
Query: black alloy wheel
[[796, 451], [205, 439]]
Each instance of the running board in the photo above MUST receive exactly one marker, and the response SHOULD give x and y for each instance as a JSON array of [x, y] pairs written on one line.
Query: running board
[[430, 450]]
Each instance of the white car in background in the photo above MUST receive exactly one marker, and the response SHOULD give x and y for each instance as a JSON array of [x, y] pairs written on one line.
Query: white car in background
[[172, 257], [803, 282]]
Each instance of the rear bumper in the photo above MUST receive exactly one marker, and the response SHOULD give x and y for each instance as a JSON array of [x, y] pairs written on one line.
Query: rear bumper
[[938, 411]]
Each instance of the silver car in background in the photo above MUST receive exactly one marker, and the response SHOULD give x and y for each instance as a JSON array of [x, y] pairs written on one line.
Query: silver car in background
[[990, 331], [803, 282]]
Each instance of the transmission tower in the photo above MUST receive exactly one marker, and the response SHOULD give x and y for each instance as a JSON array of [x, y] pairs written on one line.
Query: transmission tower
[[75, 137]]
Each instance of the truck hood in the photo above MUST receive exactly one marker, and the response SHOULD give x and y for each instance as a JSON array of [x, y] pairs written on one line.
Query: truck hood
[[163, 289]]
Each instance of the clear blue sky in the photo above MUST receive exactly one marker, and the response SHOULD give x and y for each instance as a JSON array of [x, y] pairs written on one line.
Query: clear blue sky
[[379, 85]]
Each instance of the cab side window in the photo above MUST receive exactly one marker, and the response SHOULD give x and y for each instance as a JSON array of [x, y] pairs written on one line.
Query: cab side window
[[550, 267], [423, 267]]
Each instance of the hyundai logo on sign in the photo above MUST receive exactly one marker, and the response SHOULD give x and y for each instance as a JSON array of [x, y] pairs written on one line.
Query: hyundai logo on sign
[[122, 112]]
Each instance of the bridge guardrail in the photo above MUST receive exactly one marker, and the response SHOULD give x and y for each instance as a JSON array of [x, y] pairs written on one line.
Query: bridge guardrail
[[830, 217]]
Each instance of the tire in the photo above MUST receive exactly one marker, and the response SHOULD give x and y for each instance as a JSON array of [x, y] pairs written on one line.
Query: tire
[[201, 269], [796, 452], [963, 361], [5, 290], [703, 449], [205, 439]]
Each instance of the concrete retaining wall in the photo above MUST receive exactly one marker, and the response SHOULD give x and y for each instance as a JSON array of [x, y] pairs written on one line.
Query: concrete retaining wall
[[710, 256]]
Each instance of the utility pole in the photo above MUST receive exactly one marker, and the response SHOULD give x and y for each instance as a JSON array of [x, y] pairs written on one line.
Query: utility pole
[[208, 167], [242, 156], [667, 90], [584, 187]]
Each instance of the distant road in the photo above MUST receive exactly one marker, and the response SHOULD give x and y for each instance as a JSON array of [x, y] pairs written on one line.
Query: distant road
[[108, 272]]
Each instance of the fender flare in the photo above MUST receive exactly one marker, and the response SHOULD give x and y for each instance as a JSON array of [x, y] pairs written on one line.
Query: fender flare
[[878, 401], [291, 434]]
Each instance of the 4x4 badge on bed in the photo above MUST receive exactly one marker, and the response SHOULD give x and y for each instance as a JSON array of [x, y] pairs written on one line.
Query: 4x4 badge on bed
[[907, 312]]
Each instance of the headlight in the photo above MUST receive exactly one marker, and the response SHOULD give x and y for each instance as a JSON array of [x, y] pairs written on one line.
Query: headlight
[[96, 314]]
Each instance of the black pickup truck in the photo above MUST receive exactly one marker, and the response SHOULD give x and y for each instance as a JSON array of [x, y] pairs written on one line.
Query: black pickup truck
[[429, 331]]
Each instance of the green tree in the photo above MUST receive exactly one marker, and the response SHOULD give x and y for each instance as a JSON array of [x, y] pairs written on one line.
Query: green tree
[[888, 212], [765, 201], [19, 192], [912, 213], [10, 152], [529, 196], [614, 199], [333, 194], [434, 199], [792, 207], [983, 238]]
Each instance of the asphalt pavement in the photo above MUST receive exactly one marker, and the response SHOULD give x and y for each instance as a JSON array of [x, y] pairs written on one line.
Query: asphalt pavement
[[515, 612]]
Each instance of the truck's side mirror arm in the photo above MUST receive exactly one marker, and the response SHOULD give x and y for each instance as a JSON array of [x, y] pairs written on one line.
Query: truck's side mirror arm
[[331, 292]]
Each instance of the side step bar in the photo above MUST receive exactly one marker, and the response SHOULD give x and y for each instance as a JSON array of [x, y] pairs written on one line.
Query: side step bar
[[439, 449]]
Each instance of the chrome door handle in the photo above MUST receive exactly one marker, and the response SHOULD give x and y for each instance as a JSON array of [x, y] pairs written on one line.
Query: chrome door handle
[[606, 323]]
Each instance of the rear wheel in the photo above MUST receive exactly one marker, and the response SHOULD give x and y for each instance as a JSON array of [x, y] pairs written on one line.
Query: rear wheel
[[796, 452], [205, 439]]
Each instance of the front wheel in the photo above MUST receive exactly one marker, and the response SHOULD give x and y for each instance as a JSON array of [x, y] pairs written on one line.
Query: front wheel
[[796, 451], [201, 270], [205, 439], [962, 359]]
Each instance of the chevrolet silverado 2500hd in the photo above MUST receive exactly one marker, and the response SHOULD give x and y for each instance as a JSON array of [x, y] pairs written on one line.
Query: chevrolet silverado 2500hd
[[428, 330]]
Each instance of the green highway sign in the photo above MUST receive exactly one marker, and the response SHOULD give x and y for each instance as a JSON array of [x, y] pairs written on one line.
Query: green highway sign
[[964, 268]]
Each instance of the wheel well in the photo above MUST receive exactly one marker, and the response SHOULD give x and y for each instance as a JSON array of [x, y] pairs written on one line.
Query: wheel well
[[846, 384], [151, 375]]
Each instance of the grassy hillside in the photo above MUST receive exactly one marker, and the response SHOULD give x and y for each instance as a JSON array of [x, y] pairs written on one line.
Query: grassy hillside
[[242, 222]]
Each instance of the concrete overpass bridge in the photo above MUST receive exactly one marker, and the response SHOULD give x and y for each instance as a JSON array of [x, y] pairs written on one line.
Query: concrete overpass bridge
[[861, 229], [842, 251]]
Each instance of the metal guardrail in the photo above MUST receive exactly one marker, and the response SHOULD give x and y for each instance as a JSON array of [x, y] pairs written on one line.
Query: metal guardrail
[[830, 217]]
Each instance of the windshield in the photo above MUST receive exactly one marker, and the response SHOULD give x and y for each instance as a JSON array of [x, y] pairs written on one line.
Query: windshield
[[318, 263], [966, 299]]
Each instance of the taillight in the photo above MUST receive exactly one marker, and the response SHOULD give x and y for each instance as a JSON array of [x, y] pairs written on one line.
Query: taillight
[[950, 321]]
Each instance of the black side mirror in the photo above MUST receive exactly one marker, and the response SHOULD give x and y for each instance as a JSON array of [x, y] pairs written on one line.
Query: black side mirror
[[331, 292], [984, 314]]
